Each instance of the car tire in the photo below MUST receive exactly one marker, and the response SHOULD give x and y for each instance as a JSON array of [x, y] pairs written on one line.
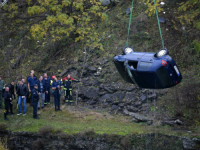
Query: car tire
[[162, 53], [124, 52]]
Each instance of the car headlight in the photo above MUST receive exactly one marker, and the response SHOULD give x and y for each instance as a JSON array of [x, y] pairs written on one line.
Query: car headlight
[[128, 50], [162, 53]]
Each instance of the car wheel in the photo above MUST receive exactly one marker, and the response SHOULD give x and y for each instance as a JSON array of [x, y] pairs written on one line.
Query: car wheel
[[127, 50], [162, 52]]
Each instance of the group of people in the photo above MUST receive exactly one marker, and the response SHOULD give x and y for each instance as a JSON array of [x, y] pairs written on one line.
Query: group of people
[[38, 91]]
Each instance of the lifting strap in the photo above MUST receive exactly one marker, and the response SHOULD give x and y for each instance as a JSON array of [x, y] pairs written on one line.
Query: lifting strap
[[157, 20], [159, 25], [129, 23]]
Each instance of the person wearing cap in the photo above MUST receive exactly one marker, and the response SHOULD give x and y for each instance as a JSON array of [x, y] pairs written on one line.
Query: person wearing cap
[[56, 89], [47, 82], [35, 98], [67, 83], [2, 86]]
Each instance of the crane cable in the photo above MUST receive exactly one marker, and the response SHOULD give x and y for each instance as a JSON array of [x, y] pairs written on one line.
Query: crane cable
[[157, 20]]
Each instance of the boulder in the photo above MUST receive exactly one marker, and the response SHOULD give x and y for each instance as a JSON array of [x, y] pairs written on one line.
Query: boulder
[[92, 69], [188, 144], [91, 102], [138, 104], [143, 99], [152, 96], [91, 93], [104, 97], [118, 96], [172, 122], [131, 97], [108, 89], [114, 107], [132, 109]]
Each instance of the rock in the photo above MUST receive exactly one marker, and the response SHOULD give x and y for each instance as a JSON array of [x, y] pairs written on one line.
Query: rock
[[188, 143], [63, 72], [126, 112], [131, 97], [114, 107], [132, 109], [143, 99], [104, 97], [108, 89], [152, 96], [105, 2], [161, 20], [102, 93], [130, 88], [91, 93], [135, 120], [139, 117], [128, 11], [84, 72], [118, 96], [137, 104], [91, 102], [172, 122], [92, 69], [149, 122], [103, 62]]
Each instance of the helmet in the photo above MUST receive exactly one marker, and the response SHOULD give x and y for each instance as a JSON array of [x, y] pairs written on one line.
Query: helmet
[[53, 77]]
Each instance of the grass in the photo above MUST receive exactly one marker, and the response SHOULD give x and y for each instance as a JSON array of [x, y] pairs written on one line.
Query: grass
[[73, 120]]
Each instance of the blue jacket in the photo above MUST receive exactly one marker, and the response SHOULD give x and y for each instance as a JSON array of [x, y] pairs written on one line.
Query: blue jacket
[[32, 81], [47, 83], [56, 85], [39, 88]]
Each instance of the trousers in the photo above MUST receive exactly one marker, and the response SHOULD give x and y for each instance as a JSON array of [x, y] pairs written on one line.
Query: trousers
[[57, 100]]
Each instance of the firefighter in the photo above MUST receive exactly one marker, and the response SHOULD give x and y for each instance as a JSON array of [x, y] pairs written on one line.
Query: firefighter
[[67, 83], [35, 98], [7, 100], [56, 89]]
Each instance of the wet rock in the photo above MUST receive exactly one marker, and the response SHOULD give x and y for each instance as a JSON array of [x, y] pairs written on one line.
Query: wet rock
[[188, 144], [131, 97], [91, 102], [104, 97], [91, 93], [137, 104], [132, 109], [114, 107], [92, 69], [152, 96], [143, 99], [118, 96]]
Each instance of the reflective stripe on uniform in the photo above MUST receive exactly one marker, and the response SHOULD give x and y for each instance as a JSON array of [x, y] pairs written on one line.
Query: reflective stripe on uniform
[[70, 92], [71, 101]]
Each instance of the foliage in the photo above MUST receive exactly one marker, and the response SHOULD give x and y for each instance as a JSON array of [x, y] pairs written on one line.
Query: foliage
[[191, 11], [151, 7], [78, 17]]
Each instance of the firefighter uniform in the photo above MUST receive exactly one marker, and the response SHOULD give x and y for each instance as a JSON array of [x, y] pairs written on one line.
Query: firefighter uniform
[[35, 99], [67, 83]]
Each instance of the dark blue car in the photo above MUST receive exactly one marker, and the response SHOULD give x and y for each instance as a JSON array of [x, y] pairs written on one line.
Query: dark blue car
[[148, 70]]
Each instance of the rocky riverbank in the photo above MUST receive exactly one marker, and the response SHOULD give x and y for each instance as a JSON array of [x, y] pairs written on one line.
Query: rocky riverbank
[[91, 141]]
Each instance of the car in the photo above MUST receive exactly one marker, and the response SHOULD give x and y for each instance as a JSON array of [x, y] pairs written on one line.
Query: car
[[148, 70]]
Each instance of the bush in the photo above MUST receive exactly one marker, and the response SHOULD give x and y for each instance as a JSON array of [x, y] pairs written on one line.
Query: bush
[[3, 128]]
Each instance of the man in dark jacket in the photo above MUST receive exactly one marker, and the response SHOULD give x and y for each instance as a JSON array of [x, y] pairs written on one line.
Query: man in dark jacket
[[12, 89], [35, 98], [56, 88], [67, 83], [47, 89], [8, 100], [41, 90], [22, 92], [2, 85]]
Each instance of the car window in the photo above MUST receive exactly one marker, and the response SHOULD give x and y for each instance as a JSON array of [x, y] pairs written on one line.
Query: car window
[[144, 66]]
